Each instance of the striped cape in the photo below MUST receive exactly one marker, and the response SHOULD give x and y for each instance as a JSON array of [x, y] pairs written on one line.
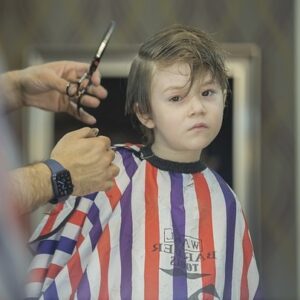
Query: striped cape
[[157, 234]]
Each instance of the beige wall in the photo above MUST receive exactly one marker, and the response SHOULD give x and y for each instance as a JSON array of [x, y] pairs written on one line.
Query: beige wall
[[269, 24]]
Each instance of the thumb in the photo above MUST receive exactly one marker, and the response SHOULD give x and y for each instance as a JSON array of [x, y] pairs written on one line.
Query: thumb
[[85, 132]]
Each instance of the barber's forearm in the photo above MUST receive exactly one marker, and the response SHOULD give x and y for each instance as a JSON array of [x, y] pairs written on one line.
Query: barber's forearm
[[31, 186], [10, 89]]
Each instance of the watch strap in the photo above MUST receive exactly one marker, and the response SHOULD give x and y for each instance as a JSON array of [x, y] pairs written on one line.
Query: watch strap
[[54, 165]]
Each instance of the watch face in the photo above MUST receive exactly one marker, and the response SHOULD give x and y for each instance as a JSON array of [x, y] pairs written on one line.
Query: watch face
[[64, 186]]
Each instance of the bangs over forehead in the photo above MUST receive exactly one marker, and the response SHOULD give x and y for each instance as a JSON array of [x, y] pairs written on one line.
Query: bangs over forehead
[[182, 44]]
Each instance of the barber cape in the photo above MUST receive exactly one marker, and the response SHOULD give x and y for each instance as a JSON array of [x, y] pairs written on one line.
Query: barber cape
[[166, 230]]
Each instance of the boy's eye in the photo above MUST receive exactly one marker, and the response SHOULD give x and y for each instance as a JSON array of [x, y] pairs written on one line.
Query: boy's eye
[[208, 93], [175, 98]]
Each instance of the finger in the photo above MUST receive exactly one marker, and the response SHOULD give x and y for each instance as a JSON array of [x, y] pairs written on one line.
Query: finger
[[106, 143], [90, 101], [82, 116], [85, 132], [79, 67], [93, 132], [114, 170], [96, 79], [79, 133], [97, 91], [107, 185]]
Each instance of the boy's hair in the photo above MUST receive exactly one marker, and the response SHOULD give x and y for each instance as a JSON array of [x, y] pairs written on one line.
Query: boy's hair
[[176, 44]]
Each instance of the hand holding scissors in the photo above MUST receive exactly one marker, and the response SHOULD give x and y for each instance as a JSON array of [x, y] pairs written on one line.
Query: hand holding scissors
[[76, 90]]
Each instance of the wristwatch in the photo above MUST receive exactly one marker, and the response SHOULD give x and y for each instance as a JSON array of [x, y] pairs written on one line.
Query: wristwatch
[[61, 181]]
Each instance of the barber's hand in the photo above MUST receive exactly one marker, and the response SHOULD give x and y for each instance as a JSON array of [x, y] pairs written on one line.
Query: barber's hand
[[89, 158], [44, 86]]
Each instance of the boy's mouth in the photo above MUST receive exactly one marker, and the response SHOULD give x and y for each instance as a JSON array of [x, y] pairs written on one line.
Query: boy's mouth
[[200, 125]]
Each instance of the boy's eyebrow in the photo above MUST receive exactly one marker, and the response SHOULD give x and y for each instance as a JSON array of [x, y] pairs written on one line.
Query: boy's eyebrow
[[209, 81], [177, 87], [185, 86]]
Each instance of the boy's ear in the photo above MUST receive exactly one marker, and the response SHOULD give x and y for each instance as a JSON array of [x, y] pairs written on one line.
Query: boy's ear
[[225, 97], [144, 118]]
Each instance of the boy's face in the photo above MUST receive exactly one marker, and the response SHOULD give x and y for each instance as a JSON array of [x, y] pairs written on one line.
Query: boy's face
[[184, 120]]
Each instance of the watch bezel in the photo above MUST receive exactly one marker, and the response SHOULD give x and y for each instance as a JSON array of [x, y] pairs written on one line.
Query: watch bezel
[[68, 185]]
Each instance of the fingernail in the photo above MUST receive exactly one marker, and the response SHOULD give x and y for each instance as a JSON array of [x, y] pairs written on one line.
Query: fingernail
[[95, 131]]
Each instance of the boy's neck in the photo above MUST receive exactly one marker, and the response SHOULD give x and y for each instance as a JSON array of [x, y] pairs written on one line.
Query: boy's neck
[[183, 156]]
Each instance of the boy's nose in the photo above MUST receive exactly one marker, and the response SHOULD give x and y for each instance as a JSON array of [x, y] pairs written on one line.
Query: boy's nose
[[197, 106]]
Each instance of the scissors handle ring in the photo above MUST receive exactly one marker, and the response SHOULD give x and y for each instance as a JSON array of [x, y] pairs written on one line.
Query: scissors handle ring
[[76, 88]]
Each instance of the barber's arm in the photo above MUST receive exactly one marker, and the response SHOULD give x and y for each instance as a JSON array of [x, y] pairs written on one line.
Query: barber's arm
[[85, 155]]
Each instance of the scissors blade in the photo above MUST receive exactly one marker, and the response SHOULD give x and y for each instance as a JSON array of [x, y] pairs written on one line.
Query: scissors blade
[[105, 39], [97, 57]]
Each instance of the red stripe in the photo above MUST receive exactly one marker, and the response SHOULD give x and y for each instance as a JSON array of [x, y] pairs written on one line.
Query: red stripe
[[75, 272], [103, 248], [77, 218], [248, 253], [52, 218], [151, 234], [79, 240], [37, 275], [53, 270], [205, 232], [113, 195]]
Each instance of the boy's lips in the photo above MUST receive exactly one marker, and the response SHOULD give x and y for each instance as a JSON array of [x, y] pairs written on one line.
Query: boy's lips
[[200, 125]]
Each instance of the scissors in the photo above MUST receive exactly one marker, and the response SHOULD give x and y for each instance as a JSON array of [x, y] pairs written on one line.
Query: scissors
[[76, 89]]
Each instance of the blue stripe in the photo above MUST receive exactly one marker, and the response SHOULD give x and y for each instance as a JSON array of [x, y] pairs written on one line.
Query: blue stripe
[[96, 231], [66, 244], [51, 292], [95, 234], [178, 222], [91, 196], [47, 247], [93, 214], [230, 202], [84, 291], [126, 228]]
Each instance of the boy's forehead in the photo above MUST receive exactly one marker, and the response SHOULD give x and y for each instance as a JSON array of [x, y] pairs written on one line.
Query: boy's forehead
[[181, 72], [182, 69]]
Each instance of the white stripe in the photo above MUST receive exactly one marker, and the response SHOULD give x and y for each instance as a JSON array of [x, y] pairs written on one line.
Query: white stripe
[[85, 252], [192, 244], [166, 238], [238, 257], [64, 289], [40, 261], [71, 231], [32, 289], [122, 180], [60, 258], [253, 278], [138, 233], [219, 223], [38, 230], [84, 205], [105, 209], [94, 274], [86, 228], [114, 271]]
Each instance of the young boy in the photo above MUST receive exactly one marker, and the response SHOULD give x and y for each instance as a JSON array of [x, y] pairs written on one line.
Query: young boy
[[170, 228]]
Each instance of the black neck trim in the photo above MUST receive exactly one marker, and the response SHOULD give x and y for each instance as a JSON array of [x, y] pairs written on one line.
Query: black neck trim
[[171, 166]]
